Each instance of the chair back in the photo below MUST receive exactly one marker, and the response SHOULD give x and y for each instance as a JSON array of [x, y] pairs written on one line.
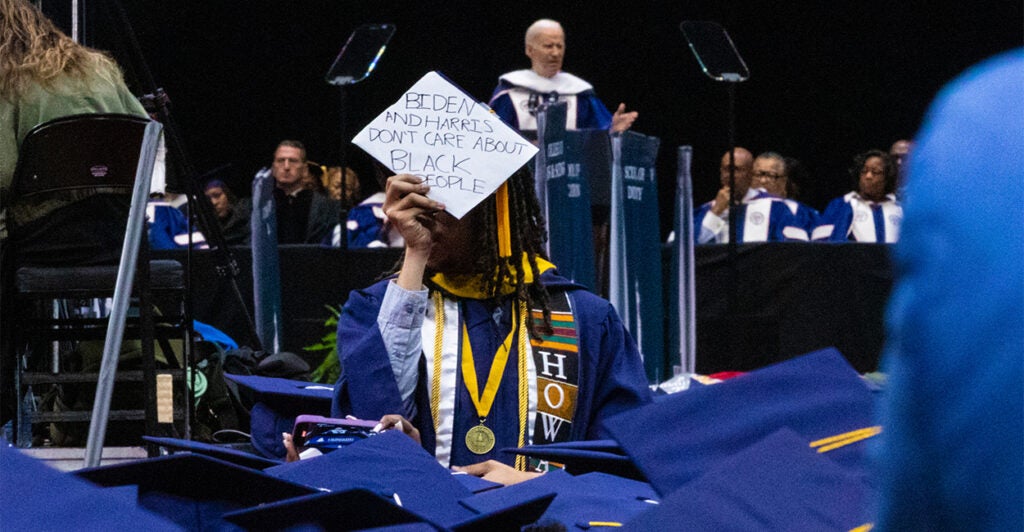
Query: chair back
[[80, 152], [72, 188]]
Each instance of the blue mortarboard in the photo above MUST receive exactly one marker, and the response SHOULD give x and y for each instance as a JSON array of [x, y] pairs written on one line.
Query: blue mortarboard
[[474, 483], [779, 483], [587, 456], [360, 509], [387, 464], [194, 490], [585, 501], [223, 452], [35, 496], [394, 467], [276, 404], [511, 516], [817, 395], [355, 509]]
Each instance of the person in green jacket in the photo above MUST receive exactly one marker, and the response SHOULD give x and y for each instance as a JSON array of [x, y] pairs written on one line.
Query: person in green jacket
[[44, 75]]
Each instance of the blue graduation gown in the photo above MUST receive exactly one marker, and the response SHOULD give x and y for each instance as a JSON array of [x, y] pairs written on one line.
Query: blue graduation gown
[[611, 372]]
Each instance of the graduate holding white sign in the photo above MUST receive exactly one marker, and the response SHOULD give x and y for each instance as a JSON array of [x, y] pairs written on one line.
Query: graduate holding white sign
[[477, 344]]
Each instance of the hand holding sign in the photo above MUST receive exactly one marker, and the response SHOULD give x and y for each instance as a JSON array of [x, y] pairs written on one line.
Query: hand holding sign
[[461, 150]]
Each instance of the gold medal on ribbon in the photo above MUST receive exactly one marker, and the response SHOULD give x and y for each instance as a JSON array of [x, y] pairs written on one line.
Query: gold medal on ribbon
[[480, 439]]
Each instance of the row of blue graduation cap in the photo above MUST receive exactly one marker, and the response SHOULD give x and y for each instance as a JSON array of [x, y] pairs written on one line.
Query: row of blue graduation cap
[[781, 448]]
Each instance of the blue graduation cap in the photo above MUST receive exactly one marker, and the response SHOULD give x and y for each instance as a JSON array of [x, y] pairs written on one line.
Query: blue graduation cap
[[779, 483], [818, 395], [223, 452], [474, 483], [276, 403], [35, 496], [354, 509], [585, 501], [388, 464], [392, 466], [360, 509], [194, 490], [510, 517], [586, 456]]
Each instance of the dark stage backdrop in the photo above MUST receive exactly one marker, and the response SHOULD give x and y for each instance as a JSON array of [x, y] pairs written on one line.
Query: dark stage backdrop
[[828, 79]]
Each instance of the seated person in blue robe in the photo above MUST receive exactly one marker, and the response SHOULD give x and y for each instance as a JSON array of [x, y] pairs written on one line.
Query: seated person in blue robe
[[762, 217], [477, 344], [870, 213], [365, 225], [168, 226], [520, 93], [773, 173]]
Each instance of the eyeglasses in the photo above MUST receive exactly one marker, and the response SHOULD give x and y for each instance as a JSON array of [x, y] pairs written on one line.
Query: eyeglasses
[[768, 175]]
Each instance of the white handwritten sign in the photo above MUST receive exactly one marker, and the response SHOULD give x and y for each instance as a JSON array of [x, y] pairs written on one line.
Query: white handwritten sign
[[462, 150]]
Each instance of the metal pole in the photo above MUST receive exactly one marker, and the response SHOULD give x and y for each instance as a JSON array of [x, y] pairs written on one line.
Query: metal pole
[[122, 293], [687, 267]]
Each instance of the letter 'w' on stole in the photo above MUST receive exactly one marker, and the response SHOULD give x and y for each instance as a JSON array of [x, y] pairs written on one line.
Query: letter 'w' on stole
[[436, 131]]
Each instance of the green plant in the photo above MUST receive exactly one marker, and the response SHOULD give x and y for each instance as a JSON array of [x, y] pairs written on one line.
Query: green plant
[[330, 369]]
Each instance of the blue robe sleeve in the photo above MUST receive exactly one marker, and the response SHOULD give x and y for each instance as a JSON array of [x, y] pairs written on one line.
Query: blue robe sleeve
[[168, 222], [591, 112], [610, 366], [364, 227], [502, 106], [366, 388], [839, 215], [781, 218], [807, 217]]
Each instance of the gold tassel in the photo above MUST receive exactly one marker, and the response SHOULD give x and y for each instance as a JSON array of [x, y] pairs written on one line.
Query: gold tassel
[[504, 226]]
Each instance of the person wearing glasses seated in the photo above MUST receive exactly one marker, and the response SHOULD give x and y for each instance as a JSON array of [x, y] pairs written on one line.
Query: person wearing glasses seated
[[772, 172], [762, 216], [870, 213]]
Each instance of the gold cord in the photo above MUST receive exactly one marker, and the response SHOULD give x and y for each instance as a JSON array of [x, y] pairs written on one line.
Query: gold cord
[[524, 388], [435, 383]]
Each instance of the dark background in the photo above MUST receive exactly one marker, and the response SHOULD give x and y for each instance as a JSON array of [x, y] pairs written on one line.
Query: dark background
[[828, 79]]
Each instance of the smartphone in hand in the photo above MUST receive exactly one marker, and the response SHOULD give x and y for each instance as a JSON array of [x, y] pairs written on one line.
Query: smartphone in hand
[[327, 434]]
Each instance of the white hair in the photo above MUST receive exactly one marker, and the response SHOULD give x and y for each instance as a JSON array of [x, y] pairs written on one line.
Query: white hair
[[540, 25]]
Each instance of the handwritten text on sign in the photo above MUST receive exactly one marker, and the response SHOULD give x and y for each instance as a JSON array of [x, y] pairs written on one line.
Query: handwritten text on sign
[[437, 132]]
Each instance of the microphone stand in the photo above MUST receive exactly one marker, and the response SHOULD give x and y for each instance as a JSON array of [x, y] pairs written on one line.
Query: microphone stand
[[720, 61], [734, 200], [354, 63], [343, 211]]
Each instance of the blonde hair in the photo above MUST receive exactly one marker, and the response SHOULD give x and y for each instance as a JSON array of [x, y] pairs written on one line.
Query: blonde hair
[[334, 172], [34, 50]]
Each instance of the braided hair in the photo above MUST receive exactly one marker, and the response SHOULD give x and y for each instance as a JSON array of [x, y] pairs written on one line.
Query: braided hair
[[528, 235], [527, 238]]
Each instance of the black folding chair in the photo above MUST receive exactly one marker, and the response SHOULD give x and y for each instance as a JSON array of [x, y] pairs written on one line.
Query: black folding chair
[[76, 217]]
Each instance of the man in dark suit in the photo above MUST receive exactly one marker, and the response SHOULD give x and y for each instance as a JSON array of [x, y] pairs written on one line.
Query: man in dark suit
[[304, 216]]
